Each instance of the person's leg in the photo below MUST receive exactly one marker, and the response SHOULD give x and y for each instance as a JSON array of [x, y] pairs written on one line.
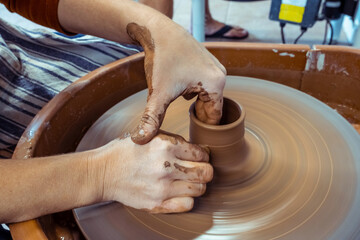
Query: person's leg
[[163, 6], [212, 26]]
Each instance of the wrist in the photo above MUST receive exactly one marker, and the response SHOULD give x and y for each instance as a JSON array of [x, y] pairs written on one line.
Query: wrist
[[106, 168], [96, 162]]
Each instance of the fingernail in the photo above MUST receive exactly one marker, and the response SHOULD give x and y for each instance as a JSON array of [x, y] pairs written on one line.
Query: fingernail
[[141, 135], [137, 135]]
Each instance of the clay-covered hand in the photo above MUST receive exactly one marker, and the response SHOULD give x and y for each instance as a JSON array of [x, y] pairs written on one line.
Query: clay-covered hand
[[162, 176], [176, 64]]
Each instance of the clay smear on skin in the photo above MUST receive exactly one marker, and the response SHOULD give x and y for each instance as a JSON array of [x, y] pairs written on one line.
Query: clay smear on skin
[[176, 139], [197, 171], [141, 35], [167, 164]]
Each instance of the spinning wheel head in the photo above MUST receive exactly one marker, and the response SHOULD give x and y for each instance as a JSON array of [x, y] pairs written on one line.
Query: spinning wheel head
[[298, 177]]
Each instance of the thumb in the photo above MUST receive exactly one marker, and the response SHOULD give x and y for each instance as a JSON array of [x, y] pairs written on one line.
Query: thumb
[[151, 120]]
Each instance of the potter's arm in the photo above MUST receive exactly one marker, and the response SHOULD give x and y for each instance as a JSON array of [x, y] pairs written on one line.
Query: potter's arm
[[175, 63], [38, 186], [161, 176]]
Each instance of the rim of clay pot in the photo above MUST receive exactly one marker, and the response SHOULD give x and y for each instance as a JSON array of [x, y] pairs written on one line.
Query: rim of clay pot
[[223, 134], [221, 127]]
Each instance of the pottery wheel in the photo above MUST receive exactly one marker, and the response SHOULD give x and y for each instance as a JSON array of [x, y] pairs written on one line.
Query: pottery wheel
[[302, 180]]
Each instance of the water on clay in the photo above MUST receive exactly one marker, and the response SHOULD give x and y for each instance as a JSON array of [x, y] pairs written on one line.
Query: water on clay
[[301, 180]]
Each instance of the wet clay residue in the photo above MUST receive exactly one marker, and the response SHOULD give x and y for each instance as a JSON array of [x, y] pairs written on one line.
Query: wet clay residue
[[205, 148], [142, 35], [167, 164], [181, 168], [138, 135], [173, 138], [197, 171], [191, 92]]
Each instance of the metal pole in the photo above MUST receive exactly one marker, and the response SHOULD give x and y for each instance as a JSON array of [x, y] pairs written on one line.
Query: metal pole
[[198, 20], [337, 25]]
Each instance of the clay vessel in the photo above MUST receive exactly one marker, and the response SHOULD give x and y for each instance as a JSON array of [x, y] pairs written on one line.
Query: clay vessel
[[226, 141]]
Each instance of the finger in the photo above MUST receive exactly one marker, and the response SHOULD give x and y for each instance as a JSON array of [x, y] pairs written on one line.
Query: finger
[[184, 150], [208, 108], [151, 119], [142, 35], [153, 114], [196, 172], [175, 205], [191, 152], [186, 189]]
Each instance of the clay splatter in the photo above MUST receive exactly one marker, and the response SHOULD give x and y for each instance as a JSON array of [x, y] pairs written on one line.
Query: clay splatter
[[167, 164]]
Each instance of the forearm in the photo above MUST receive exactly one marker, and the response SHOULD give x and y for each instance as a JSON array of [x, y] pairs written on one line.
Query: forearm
[[109, 18], [39, 186]]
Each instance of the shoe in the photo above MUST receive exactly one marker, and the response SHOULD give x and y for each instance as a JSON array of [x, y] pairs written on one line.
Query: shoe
[[220, 33]]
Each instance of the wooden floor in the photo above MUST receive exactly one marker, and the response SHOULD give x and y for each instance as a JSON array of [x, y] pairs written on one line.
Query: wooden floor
[[253, 16]]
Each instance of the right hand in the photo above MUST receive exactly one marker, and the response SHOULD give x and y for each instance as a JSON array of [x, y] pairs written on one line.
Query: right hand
[[177, 65], [162, 176]]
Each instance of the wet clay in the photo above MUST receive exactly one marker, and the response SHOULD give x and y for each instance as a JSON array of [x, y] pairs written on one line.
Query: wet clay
[[301, 155], [167, 164], [225, 141], [142, 36]]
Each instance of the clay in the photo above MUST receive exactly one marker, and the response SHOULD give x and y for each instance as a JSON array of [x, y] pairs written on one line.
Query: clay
[[142, 36], [167, 164], [297, 156], [225, 141]]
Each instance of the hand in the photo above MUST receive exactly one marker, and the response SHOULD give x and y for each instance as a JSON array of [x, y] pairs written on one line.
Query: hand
[[162, 176], [176, 64]]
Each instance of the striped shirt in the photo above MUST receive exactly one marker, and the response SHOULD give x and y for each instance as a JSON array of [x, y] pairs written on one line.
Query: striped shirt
[[35, 65]]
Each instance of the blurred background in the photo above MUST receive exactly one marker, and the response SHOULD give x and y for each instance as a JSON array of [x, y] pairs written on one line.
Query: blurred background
[[254, 17]]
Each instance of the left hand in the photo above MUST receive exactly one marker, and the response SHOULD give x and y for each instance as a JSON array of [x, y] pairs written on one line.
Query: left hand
[[162, 176]]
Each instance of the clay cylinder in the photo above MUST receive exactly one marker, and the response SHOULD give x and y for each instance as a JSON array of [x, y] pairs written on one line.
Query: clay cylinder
[[226, 141]]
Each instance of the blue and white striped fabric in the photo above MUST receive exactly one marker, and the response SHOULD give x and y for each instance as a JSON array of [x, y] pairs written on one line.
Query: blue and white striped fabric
[[37, 64]]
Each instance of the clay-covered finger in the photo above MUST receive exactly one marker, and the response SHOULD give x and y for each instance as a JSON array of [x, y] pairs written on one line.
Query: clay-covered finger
[[192, 152], [184, 150], [196, 172], [151, 120], [208, 108], [175, 205], [186, 189]]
